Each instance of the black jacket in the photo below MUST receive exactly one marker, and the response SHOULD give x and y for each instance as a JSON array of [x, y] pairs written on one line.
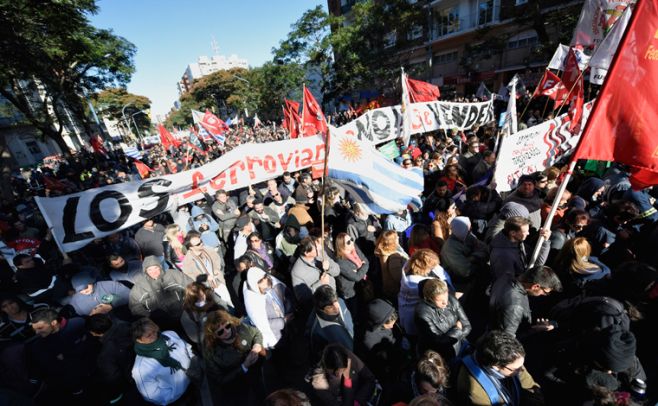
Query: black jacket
[[437, 328], [508, 305], [349, 274], [115, 360]]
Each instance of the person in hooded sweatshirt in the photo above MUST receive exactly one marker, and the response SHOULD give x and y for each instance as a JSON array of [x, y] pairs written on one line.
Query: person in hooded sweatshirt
[[205, 225], [592, 190], [382, 341], [269, 305], [463, 253], [158, 294]]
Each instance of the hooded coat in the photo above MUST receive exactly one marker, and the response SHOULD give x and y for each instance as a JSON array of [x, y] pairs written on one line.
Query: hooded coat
[[532, 203], [511, 258], [208, 236], [164, 294], [462, 250], [267, 311], [497, 223]]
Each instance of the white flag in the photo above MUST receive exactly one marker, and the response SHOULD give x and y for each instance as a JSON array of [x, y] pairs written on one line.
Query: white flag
[[596, 21], [510, 126], [406, 111], [560, 57], [602, 57]]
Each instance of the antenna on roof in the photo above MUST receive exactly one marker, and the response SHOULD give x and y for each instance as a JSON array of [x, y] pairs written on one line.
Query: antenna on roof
[[214, 46]]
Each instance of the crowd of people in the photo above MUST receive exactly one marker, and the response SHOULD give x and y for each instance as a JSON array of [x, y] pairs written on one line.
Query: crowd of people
[[242, 298]]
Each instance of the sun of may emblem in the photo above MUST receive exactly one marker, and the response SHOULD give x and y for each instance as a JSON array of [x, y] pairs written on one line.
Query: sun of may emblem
[[350, 150]]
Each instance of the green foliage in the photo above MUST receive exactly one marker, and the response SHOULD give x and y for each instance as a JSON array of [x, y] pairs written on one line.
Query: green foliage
[[110, 102], [53, 43], [276, 82]]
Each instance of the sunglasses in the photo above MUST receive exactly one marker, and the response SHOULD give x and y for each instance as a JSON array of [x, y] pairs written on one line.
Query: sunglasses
[[197, 244], [348, 242], [222, 330]]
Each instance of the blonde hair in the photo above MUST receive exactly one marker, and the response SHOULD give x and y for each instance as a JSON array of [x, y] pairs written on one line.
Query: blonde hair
[[575, 254], [170, 232], [387, 243], [422, 262]]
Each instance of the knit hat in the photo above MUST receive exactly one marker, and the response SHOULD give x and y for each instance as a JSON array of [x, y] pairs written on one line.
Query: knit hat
[[81, 280], [149, 261], [614, 349], [460, 227], [513, 209], [242, 221], [600, 378], [292, 221], [577, 202], [379, 311]]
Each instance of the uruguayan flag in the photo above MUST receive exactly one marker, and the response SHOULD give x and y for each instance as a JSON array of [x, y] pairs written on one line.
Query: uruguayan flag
[[370, 178], [132, 152]]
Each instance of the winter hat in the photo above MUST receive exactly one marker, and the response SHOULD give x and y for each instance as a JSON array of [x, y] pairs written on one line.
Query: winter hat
[[149, 261], [513, 209], [379, 311], [600, 378], [589, 187], [81, 280], [577, 202], [242, 221], [614, 349], [460, 227], [292, 221]]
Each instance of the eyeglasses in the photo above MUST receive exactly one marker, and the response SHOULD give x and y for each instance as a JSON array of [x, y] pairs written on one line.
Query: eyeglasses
[[197, 244], [348, 242], [222, 330]]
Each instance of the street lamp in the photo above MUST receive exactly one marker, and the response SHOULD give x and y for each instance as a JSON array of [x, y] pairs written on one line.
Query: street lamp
[[135, 123], [123, 113]]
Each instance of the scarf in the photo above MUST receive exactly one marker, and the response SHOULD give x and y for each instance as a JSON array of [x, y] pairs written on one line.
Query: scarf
[[160, 351], [354, 257], [262, 252]]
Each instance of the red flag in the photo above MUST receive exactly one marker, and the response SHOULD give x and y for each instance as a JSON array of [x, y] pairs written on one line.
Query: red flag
[[97, 145], [293, 117], [166, 138], [313, 121], [420, 91], [621, 126], [576, 108], [571, 70], [142, 168], [286, 118], [552, 87], [213, 124]]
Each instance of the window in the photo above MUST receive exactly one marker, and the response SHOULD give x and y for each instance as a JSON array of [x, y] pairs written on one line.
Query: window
[[33, 147], [447, 22], [390, 39], [522, 40], [415, 32], [485, 11], [445, 58]]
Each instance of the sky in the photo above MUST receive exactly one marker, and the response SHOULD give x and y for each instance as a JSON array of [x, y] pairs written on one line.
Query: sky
[[170, 34]]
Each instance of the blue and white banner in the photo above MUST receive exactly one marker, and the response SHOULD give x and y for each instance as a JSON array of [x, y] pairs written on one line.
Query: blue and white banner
[[381, 185]]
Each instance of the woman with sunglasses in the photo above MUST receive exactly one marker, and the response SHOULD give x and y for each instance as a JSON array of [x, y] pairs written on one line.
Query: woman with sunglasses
[[260, 252], [232, 351], [353, 268]]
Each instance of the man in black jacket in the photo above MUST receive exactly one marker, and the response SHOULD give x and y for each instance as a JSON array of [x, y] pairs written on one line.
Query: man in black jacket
[[115, 359], [509, 306]]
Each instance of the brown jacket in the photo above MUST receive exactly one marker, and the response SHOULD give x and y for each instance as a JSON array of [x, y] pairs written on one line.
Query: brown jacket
[[194, 266], [301, 214]]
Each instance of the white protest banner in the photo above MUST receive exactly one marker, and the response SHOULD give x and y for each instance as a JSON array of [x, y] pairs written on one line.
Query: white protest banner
[[560, 57], [385, 124], [535, 149], [78, 218], [596, 19]]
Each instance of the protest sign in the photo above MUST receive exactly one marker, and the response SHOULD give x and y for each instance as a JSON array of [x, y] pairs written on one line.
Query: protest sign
[[535, 149], [78, 218]]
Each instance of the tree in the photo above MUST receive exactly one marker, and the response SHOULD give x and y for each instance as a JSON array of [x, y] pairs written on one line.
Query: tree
[[111, 102], [276, 82], [50, 56]]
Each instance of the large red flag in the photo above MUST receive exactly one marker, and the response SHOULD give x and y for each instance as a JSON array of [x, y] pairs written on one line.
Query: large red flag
[[142, 168], [313, 121], [621, 127], [420, 91], [552, 87], [286, 119], [166, 138], [577, 99], [571, 78], [293, 117]]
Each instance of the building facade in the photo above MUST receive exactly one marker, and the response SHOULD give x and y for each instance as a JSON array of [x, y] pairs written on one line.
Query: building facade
[[207, 65], [462, 43]]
